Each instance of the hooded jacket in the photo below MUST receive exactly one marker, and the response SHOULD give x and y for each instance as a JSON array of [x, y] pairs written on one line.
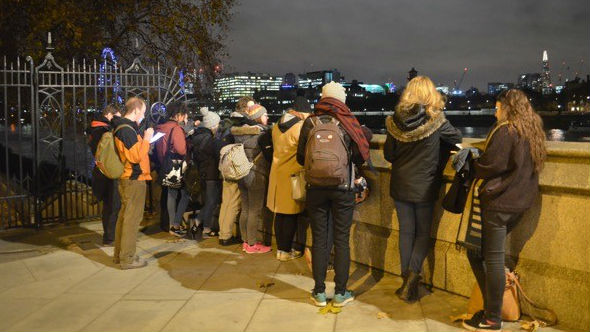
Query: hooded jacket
[[205, 153], [249, 135], [98, 127], [235, 119], [285, 137], [418, 147]]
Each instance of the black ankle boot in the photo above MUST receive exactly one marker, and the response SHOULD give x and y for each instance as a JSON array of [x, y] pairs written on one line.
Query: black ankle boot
[[404, 283], [410, 292]]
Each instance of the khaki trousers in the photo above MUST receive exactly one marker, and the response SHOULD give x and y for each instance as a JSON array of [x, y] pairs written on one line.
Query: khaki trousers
[[130, 216], [230, 209]]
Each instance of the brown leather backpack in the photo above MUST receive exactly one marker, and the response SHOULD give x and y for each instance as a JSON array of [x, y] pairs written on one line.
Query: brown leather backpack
[[326, 155]]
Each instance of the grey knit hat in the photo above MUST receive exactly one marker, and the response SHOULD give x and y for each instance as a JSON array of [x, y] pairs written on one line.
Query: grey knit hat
[[210, 119], [255, 111]]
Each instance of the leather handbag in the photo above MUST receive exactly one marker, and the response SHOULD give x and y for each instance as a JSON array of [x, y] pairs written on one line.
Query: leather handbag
[[298, 186], [510, 303], [456, 197]]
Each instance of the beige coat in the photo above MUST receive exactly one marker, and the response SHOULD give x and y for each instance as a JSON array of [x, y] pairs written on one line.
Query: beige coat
[[284, 163]]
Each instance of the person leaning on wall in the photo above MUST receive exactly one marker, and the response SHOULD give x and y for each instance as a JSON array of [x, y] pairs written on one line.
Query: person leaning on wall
[[418, 144]]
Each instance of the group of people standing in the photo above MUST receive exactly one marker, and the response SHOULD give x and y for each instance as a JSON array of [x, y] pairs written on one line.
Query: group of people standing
[[418, 144]]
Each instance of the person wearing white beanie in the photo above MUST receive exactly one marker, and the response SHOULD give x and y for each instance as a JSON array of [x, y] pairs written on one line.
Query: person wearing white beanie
[[334, 90], [210, 119], [205, 153]]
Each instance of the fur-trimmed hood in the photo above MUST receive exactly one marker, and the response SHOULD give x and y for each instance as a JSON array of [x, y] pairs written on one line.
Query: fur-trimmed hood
[[413, 124], [247, 130]]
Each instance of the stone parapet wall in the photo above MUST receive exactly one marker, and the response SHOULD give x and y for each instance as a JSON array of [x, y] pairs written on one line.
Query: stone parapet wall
[[553, 237]]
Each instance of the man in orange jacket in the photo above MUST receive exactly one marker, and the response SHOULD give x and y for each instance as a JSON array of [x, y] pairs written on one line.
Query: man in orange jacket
[[133, 151]]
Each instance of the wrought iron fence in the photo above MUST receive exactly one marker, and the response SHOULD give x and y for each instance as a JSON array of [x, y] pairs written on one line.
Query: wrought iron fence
[[45, 162]]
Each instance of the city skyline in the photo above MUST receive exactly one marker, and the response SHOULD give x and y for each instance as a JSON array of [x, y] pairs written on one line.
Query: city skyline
[[504, 39]]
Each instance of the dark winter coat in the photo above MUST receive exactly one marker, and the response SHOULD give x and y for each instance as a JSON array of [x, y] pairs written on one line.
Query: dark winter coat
[[98, 126], [511, 182], [418, 147], [249, 136], [205, 153], [235, 120]]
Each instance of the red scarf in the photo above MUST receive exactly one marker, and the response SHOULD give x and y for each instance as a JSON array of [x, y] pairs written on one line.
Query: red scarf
[[339, 110]]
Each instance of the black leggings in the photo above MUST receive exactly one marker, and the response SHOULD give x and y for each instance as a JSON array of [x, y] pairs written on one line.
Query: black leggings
[[285, 228], [488, 266]]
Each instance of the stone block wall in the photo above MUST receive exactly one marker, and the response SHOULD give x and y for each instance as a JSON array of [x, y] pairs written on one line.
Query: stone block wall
[[550, 246]]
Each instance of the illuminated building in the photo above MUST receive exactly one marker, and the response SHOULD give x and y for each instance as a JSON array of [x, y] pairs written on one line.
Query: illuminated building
[[531, 81], [230, 87], [319, 78], [495, 88], [546, 86]]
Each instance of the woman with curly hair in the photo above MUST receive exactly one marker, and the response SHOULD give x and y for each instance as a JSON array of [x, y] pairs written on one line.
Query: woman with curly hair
[[509, 168]]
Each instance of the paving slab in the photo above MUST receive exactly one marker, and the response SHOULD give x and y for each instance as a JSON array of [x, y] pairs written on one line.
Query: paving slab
[[69, 312], [135, 316], [215, 311], [289, 315], [15, 310], [161, 286], [380, 310], [113, 281], [13, 274]]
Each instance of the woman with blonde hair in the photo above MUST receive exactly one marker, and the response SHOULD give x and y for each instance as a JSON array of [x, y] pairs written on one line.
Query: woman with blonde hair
[[509, 166], [418, 144]]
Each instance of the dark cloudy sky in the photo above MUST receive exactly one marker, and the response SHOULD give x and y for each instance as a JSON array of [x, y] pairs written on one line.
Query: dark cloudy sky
[[378, 41]]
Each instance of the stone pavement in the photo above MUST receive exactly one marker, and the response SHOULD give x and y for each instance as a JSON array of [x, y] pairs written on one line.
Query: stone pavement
[[58, 279]]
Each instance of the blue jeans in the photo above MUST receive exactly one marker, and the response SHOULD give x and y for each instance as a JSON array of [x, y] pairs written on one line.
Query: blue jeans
[[415, 222], [211, 199], [175, 211]]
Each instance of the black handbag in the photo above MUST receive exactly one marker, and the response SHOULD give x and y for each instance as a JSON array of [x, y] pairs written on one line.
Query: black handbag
[[456, 197]]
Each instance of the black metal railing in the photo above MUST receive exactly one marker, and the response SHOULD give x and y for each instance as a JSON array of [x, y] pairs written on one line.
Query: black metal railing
[[45, 162]]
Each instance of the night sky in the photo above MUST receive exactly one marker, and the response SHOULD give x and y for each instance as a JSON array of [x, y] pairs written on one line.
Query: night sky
[[379, 41]]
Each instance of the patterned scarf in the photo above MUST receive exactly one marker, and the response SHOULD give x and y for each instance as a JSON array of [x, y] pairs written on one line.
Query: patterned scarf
[[339, 110]]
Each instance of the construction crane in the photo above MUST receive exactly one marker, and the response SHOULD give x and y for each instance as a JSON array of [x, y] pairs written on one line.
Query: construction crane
[[457, 86]]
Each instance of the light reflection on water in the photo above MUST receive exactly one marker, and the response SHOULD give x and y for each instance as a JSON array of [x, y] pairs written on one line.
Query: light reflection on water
[[556, 135], [552, 134]]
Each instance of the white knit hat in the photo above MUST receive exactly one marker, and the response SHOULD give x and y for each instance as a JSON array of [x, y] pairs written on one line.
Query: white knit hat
[[210, 119], [334, 90]]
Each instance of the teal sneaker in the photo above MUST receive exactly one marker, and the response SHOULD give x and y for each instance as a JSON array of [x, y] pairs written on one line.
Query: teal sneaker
[[340, 300], [319, 299]]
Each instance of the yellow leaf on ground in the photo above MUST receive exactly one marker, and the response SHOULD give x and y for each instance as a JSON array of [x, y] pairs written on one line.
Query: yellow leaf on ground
[[381, 315], [460, 317], [264, 284], [530, 326], [329, 309]]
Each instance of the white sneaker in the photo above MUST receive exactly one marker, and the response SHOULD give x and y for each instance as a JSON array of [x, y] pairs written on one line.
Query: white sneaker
[[284, 256]]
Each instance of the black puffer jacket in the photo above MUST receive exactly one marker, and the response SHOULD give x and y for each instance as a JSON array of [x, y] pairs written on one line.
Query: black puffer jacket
[[418, 148], [205, 153]]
